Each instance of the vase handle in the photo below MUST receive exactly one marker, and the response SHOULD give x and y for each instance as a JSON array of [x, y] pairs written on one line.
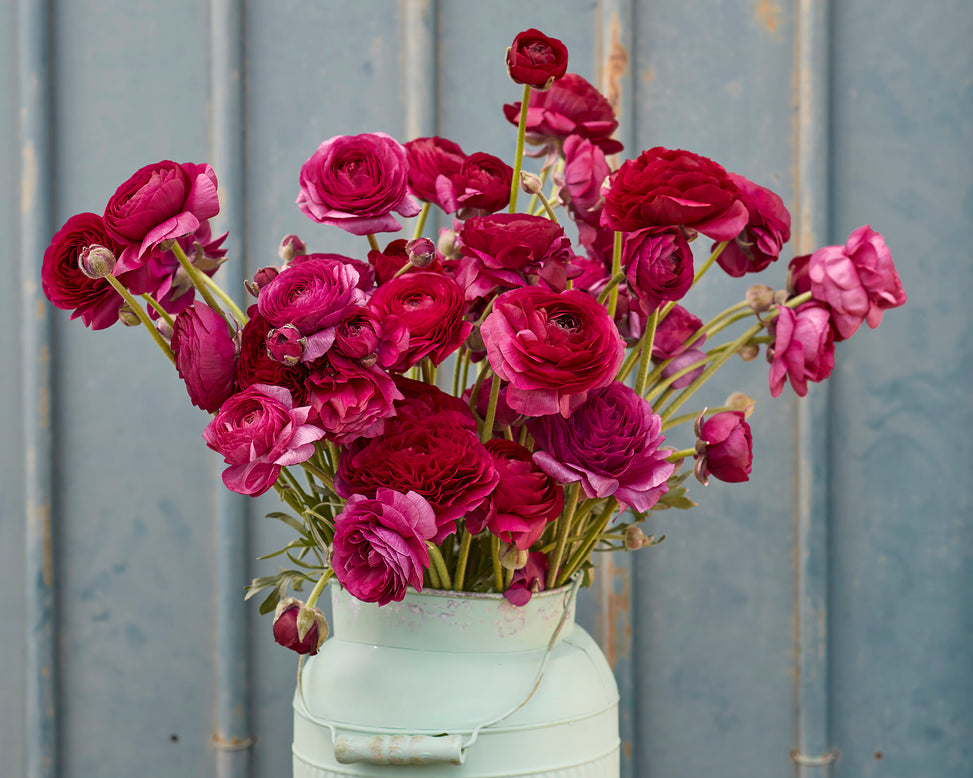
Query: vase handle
[[399, 749]]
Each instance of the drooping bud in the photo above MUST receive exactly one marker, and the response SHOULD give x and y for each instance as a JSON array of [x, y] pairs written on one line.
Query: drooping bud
[[530, 182], [291, 246], [738, 401], [286, 345], [759, 297], [421, 252], [511, 557], [749, 352], [96, 261], [298, 627], [636, 539], [164, 328], [260, 279], [127, 316]]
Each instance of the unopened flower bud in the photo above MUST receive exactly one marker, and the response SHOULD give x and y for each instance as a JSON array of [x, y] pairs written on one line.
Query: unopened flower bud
[[511, 557], [286, 345], [164, 328], [298, 627], [260, 279], [291, 246], [759, 297], [738, 401], [749, 352], [421, 252], [636, 539], [368, 360], [165, 245], [96, 261], [447, 244], [127, 316], [530, 183]]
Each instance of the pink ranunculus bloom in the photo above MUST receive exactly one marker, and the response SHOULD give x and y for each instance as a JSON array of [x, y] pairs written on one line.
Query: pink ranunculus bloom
[[432, 159], [674, 188], [524, 502], [355, 182], [287, 634], [350, 400], [92, 299], [658, 264], [610, 444], [363, 337], [379, 547], [536, 60], [768, 229], [551, 347], [432, 308], [313, 295], [258, 431], [508, 250], [528, 580], [481, 187], [724, 447], [205, 350], [857, 281], [585, 171], [160, 202], [572, 106], [803, 347], [674, 332]]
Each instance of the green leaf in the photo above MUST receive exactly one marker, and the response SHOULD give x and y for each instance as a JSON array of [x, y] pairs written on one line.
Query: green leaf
[[290, 521]]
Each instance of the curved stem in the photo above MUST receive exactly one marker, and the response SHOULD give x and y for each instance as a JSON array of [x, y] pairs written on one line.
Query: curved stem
[[436, 558], [228, 301], [143, 317], [588, 543], [373, 242], [196, 277], [421, 221], [163, 313], [466, 540], [312, 598], [519, 157], [645, 357]]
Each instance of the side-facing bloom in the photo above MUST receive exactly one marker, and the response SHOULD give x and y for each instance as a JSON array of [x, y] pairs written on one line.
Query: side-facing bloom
[[551, 347], [658, 264], [355, 182], [481, 186], [857, 281], [768, 229], [585, 171], [287, 631], [724, 447], [258, 431], [528, 580], [431, 160], [610, 444], [205, 352], [536, 60], [803, 347], [379, 547]]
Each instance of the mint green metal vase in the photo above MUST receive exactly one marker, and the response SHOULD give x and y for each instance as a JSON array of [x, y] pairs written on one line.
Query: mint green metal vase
[[448, 684]]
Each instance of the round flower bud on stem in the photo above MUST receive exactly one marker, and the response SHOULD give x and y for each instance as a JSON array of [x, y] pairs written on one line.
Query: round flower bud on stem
[[636, 539], [738, 401], [298, 627], [421, 252], [127, 316], [96, 261], [511, 557], [291, 246], [286, 345], [530, 183], [749, 352], [760, 297]]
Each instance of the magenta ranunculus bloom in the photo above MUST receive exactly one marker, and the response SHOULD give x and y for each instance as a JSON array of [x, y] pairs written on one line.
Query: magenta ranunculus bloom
[[92, 299], [362, 336], [768, 229], [572, 106], [585, 171], [258, 431], [287, 634], [682, 361], [610, 444], [160, 202], [857, 281], [432, 308], [724, 447], [528, 580], [658, 264], [205, 352], [481, 187], [673, 334], [803, 347], [525, 501], [379, 547], [674, 188], [432, 159], [551, 347], [536, 60], [507, 251], [355, 182]]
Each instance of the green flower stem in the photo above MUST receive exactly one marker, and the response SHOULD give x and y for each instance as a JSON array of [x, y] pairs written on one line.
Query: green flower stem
[[466, 540], [480, 378], [717, 250], [627, 365], [163, 313], [519, 156], [645, 357], [495, 555], [675, 456], [323, 477], [143, 317], [373, 242], [795, 301], [660, 386], [616, 269], [532, 203], [421, 221], [612, 286], [434, 581], [508, 578], [693, 416], [491, 416], [227, 300], [428, 371], [563, 530], [458, 369], [294, 484], [588, 543], [196, 277], [332, 455], [436, 558], [547, 207], [312, 598]]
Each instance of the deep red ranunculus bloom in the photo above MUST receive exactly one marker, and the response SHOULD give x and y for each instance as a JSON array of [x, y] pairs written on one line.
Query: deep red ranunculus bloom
[[551, 347], [536, 60], [658, 264], [481, 186], [379, 547], [674, 188], [803, 347], [724, 447], [768, 229], [432, 159], [355, 182], [205, 352], [673, 334]]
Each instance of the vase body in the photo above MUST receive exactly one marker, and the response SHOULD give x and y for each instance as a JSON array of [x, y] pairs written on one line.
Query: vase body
[[449, 684]]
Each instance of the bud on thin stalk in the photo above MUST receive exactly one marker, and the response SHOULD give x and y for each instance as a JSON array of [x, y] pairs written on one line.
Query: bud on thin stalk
[[96, 261]]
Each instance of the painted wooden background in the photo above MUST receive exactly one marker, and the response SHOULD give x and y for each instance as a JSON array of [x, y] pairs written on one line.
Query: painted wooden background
[[825, 609]]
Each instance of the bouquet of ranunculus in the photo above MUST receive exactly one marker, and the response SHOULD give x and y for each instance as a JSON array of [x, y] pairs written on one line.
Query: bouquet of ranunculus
[[484, 411]]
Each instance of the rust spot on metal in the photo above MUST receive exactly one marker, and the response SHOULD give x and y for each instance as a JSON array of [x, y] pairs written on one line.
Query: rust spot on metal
[[232, 743], [627, 748], [768, 13], [615, 66], [616, 625]]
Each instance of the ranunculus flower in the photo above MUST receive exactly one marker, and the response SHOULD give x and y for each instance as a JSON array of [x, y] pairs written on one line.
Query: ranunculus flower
[[258, 431], [422, 401], [481, 186], [658, 263], [673, 334], [160, 202], [350, 400], [798, 277], [92, 299], [572, 106], [724, 447], [610, 444], [551, 347], [525, 501], [431, 307], [682, 361], [508, 250], [254, 365], [674, 188], [379, 547], [585, 171], [528, 580], [205, 352], [287, 634], [857, 281], [768, 229], [431, 454], [803, 347], [536, 60], [362, 336], [355, 182], [432, 159]]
